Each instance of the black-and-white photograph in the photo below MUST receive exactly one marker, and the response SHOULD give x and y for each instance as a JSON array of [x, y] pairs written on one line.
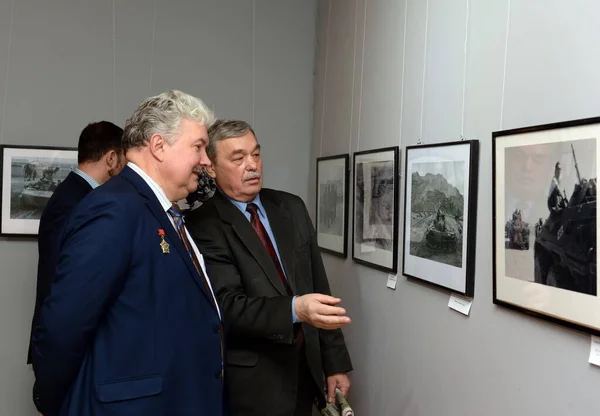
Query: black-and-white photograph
[[331, 195], [332, 204], [551, 187], [437, 209], [375, 226], [30, 176], [545, 229], [375, 201], [440, 209]]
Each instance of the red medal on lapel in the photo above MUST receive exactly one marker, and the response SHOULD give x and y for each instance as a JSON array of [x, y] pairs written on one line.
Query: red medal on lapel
[[163, 244]]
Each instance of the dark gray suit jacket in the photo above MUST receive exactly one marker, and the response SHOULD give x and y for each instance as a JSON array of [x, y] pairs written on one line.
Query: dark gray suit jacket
[[261, 358]]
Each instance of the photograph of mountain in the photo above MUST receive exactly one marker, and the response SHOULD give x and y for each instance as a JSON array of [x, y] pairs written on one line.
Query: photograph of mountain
[[437, 210]]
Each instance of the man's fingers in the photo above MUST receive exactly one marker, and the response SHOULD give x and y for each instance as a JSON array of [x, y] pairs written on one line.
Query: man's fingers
[[330, 310], [329, 300], [331, 322], [331, 384]]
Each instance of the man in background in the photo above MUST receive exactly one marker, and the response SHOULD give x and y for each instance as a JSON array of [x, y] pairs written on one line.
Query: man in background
[[282, 325], [131, 326], [99, 157]]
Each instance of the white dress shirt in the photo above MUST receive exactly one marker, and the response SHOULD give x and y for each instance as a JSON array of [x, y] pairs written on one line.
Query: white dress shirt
[[166, 204]]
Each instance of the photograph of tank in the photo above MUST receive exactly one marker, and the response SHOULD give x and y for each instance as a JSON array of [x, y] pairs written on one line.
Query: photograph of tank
[[30, 176], [545, 229], [437, 208], [551, 214], [332, 204], [440, 214], [375, 229]]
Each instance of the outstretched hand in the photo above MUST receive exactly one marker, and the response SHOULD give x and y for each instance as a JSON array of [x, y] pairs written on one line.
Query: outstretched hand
[[320, 311]]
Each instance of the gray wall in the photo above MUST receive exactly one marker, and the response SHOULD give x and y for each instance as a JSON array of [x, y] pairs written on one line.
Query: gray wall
[[387, 69], [60, 69]]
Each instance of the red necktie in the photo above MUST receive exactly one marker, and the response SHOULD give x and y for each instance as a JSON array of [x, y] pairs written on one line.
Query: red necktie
[[264, 237]]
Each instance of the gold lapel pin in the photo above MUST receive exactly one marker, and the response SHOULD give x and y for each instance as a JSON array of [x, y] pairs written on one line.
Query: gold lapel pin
[[163, 244]]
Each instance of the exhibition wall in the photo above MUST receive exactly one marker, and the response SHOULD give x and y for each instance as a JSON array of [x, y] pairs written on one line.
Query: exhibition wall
[[66, 63], [398, 73]]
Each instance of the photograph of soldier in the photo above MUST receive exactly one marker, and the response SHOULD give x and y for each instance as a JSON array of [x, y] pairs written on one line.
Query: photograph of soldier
[[550, 214]]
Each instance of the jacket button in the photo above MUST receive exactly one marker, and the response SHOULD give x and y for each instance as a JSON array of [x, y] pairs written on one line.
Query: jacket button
[[218, 374], [216, 328]]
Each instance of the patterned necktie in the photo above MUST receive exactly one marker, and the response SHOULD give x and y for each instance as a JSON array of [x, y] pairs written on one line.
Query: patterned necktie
[[175, 212], [264, 237]]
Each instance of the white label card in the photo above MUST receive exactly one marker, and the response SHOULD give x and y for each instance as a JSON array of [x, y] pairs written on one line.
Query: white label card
[[460, 304], [595, 351], [392, 279]]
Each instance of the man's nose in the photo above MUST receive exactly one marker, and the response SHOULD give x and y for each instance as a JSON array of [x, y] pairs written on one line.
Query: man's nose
[[251, 163], [204, 160]]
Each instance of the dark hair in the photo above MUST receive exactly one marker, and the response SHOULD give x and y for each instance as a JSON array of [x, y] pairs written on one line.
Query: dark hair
[[97, 139]]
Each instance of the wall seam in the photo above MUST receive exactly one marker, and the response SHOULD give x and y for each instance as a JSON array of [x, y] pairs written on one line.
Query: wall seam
[[152, 48], [424, 72], [10, 30], [253, 60], [325, 76], [353, 72], [114, 42], [504, 70], [362, 73], [403, 71]]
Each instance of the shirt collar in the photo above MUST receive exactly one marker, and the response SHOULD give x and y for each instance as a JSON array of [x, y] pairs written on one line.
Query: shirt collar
[[93, 182], [242, 205], [158, 191]]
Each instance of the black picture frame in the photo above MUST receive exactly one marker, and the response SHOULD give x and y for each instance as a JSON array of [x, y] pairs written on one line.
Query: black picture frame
[[26, 185], [550, 271], [441, 183], [331, 221], [375, 239]]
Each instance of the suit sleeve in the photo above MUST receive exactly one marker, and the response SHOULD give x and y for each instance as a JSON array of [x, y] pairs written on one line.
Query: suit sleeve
[[248, 317], [91, 269], [48, 249], [334, 354]]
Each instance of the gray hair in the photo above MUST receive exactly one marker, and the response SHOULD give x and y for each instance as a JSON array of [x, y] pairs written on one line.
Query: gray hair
[[225, 129], [162, 114]]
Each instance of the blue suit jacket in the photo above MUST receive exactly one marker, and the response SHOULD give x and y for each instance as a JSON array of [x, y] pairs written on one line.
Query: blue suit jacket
[[65, 197], [126, 329]]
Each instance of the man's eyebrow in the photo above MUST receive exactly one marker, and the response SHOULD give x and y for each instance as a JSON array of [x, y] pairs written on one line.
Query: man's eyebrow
[[236, 152]]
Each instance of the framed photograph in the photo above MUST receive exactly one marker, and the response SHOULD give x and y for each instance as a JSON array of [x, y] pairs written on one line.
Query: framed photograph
[[332, 204], [544, 227], [375, 209], [30, 174], [440, 214]]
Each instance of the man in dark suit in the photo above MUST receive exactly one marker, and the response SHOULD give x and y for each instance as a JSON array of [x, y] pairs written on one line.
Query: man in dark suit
[[283, 338], [131, 325], [99, 157]]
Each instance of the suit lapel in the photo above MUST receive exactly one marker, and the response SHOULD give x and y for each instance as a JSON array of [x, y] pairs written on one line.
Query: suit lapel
[[281, 225], [166, 224], [240, 225]]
